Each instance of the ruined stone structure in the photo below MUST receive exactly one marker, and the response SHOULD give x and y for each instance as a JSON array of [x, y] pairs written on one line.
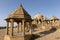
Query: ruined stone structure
[[44, 23], [54, 21], [22, 18], [38, 18]]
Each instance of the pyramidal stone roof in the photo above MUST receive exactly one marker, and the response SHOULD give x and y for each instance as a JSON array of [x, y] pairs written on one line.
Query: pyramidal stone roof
[[20, 12]]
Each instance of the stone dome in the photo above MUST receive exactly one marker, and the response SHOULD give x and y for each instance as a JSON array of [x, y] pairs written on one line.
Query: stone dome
[[53, 17], [38, 16]]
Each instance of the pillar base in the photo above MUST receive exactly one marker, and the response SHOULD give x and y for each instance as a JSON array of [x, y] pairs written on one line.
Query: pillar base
[[7, 37]]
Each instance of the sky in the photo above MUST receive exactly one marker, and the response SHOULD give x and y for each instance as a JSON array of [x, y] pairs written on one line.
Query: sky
[[47, 8]]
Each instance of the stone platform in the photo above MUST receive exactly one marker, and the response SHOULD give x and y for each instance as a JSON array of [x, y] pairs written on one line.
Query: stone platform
[[26, 37]]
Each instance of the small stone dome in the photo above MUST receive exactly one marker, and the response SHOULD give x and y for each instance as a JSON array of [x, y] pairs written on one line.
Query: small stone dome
[[53, 18]]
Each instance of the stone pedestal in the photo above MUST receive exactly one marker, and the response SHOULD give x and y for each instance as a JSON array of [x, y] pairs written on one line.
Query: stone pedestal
[[7, 37]]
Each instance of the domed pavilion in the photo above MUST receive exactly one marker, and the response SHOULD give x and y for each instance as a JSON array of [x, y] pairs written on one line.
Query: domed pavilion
[[38, 18], [53, 19]]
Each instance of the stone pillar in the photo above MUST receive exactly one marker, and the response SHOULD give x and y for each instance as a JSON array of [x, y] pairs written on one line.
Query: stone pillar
[[38, 21], [23, 27], [27, 26], [53, 21], [20, 25], [30, 28], [7, 25], [11, 27], [34, 21], [17, 27]]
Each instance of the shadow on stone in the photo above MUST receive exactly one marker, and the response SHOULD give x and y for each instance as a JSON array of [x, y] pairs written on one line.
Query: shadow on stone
[[44, 33], [34, 37]]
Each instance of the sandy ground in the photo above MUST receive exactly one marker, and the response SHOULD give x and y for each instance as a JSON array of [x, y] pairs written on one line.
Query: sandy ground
[[2, 33], [52, 36], [39, 35], [48, 35]]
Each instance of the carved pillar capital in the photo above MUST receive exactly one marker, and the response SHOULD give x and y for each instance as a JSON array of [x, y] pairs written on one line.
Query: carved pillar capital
[[11, 20]]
